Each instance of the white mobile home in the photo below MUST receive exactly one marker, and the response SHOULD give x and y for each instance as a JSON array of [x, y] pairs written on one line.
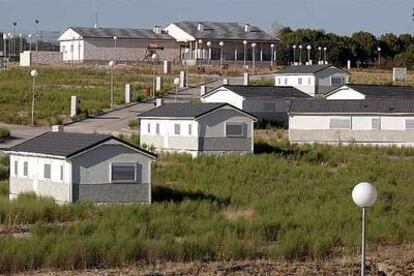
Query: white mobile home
[[70, 167], [364, 91], [198, 128], [267, 103], [312, 79], [369, 122]]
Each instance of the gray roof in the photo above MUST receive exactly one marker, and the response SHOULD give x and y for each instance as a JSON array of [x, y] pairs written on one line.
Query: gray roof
[[66, 144], [265, 91], [306, 69], [371, 106], [223, 30], [383, 90], [120, 33], [185, 110]]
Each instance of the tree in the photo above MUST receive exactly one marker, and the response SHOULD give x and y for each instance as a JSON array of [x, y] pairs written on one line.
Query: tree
[[407, 57], [363, 46], [390, 45]]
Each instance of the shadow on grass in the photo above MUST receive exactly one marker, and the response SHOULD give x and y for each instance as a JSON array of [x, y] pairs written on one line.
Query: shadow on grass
[[261, 148], [167, 194]]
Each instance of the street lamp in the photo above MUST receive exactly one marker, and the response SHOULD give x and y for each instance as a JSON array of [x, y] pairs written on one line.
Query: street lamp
[[176, 83], [244, 52], [111, 65], [34, 75], [200, 41], [186, 51], [29, 36], [309, 48], [5, 45], [209, 52], [320, 53], [10, 39], [37, 33], [221, 44], [324, 54], [154, 58], [294, 53], [272, 46], [379, 57], [364, 195], [300, 54], [254, 55], [21, 43], [115, 38]]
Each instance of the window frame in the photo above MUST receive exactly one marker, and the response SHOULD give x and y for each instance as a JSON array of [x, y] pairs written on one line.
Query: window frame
[[16, 168], [242, 135], [50, 171], [149, 128], [409, 122], [124, 164], [190, 129], [26, 168], [379, 123], [340, 119], [300, 81], [157, 129], [337, 77], [177, 133]]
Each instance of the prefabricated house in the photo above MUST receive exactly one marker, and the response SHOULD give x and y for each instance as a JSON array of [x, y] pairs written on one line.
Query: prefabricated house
[[267, 103], [198, 35], [364, 91], [72, 167], [382, 122], [198, 128], [98, 45], [312, 79]]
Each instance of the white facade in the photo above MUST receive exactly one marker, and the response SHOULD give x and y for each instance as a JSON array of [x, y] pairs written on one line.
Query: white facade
[[305, 83], [345, 93], [72, 46], [224, 95]]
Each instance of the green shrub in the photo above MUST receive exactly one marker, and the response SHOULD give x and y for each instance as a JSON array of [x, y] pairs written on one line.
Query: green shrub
[[4, 133]]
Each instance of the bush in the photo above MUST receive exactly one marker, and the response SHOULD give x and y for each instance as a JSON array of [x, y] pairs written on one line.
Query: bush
[[4, 133]]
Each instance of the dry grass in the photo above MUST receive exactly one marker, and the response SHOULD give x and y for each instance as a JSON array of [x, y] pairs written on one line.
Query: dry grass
[[233, 214], [375, 76]]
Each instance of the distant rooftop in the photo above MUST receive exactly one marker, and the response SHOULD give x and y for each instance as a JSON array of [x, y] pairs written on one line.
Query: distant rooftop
[[305, 69], [371, 106], [265, 91], [224, 30], [382, 90], [120, 33]]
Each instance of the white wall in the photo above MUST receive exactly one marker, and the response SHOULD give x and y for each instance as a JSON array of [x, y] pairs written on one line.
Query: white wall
[[345, 93], [307, 86], [178, 34], [73, 50], [224, 95]]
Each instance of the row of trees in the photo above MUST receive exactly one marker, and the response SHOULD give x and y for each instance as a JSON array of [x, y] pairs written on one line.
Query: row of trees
[[361, 47]]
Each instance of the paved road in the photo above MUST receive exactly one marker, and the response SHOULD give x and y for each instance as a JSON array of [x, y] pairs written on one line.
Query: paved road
[[115, 122]]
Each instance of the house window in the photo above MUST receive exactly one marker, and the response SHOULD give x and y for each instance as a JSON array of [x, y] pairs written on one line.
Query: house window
[[409, 124], [177, 129], [157, 129], [123, 172], [340, 124], [25, 168], [286, 81], [63, 49], [279, 81], [190, 130], [149, 128], [375, 123], [300, 81], [47, 171], [337, 80], [16, 168], [269, 107], [61, 173], [309, 81], [234, 130]]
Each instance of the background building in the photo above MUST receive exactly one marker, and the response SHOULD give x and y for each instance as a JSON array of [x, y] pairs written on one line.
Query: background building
[[368, 91], [123, 45], [196, 36]]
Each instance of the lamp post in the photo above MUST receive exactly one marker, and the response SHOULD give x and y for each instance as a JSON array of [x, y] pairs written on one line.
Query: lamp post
[[111, 65], [221, 44], [272, 47], [176, 83], [294, 53], [209, 56], [364, 195], [379, 57], [34, 75], [115, 38], [21, 43], [154, 58], [244, 52], [320, 54], [10, 39], [309, 48], [300, 54], [37, 34], [324, 54], [186, 51], [254, 56], [201, 56], [5, 45], [29, 36]]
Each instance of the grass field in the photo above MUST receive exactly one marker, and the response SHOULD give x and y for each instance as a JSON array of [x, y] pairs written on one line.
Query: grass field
[[285, 202], [55, 86]]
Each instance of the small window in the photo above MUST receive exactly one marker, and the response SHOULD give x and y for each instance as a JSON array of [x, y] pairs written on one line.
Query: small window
[[234, 130], [190, 130], [300, 81], [61, 173], [149, 128], [286, 81], [269, 107], [279, 81], [123, 172], [376, 123], [177, 129], [16, 168], [25, 168], [340, 124], [157, 129], [337, 80], [47, 171], [309, 81], [409, 124]]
